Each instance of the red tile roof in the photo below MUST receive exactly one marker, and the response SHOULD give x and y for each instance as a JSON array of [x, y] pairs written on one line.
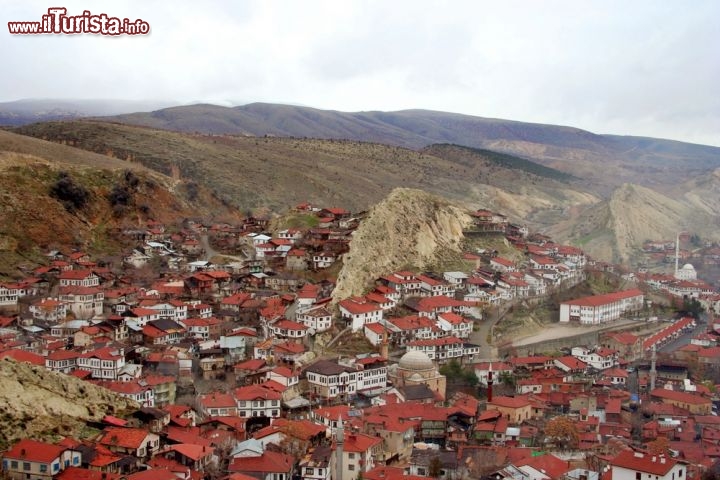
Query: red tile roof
[[268, 462], [597, 300], [644, 462], [358, 442], [130, 438], [34, 451], [253, 392], [217, 400], [358, 308], [547, 464], [510, 402], [75, 473], [153, 474], [684, 397], [23, 356]]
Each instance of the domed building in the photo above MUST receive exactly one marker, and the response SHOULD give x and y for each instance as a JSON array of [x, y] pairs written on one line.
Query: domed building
[[416, 368], [687, 272]]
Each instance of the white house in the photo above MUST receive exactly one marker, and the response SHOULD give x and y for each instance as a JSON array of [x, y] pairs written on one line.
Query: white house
[[257, 401], [599, 358], [318, 319], [104, 363], [601, 308], [631, 465], [358, 311]]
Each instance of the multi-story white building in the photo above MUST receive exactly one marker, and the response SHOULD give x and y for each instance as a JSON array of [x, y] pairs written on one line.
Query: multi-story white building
[[78, 278], [49, 310], [38, 460], [64, 361], [329, 380], [359, 453], [365, 373], [601, 308], [174, 310], [599, 358], [455, 325], [358, 311], [372, 378], [632, 465], [284, 328], [432, 286], [104, 363], [9, 295], [84, 302], [445, 349], [318, 319], [257, 401]]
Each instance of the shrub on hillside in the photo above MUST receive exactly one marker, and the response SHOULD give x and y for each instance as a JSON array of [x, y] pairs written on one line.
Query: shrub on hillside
[[71, 194]]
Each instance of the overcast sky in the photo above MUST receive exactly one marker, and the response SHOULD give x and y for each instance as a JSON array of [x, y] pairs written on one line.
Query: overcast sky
[[639, 68]]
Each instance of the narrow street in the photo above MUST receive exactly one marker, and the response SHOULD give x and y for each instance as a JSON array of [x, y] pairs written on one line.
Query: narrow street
[[210, 252]]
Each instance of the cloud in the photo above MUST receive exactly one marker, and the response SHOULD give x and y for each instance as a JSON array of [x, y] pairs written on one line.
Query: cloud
[[642, 68]]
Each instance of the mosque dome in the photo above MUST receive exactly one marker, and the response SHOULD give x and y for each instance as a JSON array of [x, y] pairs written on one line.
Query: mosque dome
[[415, 360], [687, 266]]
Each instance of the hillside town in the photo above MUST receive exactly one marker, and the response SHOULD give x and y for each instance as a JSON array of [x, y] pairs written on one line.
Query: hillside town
[[245, 366]]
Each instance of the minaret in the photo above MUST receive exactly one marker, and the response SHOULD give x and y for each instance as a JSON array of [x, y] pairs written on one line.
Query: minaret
[[384, 347], [653, 371], [339, 442], [490, 383], [677, 254]]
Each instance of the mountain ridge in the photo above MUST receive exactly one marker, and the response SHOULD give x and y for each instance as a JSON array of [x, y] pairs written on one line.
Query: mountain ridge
[[649, 161]]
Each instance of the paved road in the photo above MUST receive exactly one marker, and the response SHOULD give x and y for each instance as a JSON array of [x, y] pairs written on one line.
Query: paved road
[[491, 317], [685, 338], [210, 252]]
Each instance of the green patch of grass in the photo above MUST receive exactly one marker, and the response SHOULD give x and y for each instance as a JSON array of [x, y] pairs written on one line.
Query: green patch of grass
[[517, 163]]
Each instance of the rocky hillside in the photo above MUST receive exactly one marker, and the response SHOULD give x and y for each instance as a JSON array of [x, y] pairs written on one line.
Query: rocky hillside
[[648, 161], [37, 403], [614, 229], [409, 229], [56, 196], [252, 172]]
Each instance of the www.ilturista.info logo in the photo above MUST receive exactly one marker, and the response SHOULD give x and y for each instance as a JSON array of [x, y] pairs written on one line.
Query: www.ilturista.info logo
[[58, 22]]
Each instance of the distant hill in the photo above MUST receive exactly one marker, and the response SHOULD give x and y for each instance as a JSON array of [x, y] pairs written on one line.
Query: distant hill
[[615, 228], [278, 172], [22, 112], [647, 161], [57, 196], [607, 218]]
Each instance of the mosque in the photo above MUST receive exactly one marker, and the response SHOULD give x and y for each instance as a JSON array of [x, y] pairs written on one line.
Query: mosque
[[416, 368]]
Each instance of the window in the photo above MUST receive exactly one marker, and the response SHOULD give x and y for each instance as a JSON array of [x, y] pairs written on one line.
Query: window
[[309, 471], [351, 467], [26, 465], [43, 468], [14, 465], [638, 475], [351, 455]]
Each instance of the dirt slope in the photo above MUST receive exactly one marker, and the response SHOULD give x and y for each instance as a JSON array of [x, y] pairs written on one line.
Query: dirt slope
[[37, 403], [409, 229]]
